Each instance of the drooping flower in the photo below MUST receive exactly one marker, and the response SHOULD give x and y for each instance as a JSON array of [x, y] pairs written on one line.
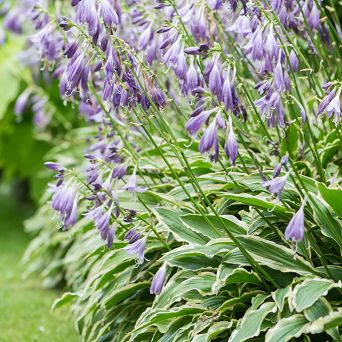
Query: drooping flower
[[64, 201], [132, 236], [294, 60], [137, 248], [295, 229], [231, 145], [334, 107], [196, 122], [276, 185], [158, 280], [108, 13], [21, 102], [132, 185], [278, 168]]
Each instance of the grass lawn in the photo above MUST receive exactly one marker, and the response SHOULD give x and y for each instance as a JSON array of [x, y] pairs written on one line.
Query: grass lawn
[[25, 307]]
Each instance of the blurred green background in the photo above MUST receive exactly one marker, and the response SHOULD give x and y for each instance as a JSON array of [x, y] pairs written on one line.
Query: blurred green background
[[25, 307]]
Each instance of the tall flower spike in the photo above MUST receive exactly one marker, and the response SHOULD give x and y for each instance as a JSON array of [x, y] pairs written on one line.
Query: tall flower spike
[[158, 280], [295, 229]]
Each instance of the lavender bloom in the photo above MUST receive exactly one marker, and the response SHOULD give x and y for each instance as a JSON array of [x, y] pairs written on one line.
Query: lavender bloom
[[195, 123], [132, 236], [256, 45], [132, 185], [278, 168], [21, 102], [146, 37], [120, 171], [324, 103], [314, 17], [215, 83], [271, 45], [158, 280], [53, 166], [295, 229], [64, 201], [191, 79], [278, 80], [294, 61], [108, 13], [137, 248], [334, 107], [209, 140], [231, 145], [276, 185], [228, 91]]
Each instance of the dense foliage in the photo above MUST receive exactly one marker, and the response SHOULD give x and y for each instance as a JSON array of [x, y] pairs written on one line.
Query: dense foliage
[[197, 193]]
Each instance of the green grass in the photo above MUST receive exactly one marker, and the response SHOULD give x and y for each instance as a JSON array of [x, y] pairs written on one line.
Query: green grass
[[25, 307]]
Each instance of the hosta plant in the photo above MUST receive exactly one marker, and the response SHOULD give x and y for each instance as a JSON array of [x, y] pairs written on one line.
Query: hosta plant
[[200, 199]]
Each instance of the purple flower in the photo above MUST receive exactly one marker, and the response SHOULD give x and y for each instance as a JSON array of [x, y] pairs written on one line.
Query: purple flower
[[53, 166], [271, 46], [64, 201], [215, 82], [295, 229], [325, 101], [278, 78], [276, 185], [314, 17], [158, 280], [137, 248], [108, 13], [191, 79], [120, 171], [132, 236], [209, 138], [231, 145], [334, 107], [195, 123], [278, 168], [228, 91], [21, 102], [193, 50], [145, 37], [294, 61], [132, 185]]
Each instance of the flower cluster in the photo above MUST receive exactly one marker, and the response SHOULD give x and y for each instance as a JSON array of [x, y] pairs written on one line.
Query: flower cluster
[[222, 68]]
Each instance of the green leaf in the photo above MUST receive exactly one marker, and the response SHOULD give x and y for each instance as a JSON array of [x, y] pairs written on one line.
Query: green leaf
[[194, 257], [329, 226], [333, 197], [182, 283], [274, 255], [319, 309], [286, 329], [258, 202], [309, 291], [215, 227], [159, 315], [280, 295], [123, 292], [171, 219], [66, 298], [334, 319], [250, 324]]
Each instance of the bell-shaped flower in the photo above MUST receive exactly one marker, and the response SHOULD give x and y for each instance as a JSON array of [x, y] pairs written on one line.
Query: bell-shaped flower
[[158, 280], [295, 229]]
